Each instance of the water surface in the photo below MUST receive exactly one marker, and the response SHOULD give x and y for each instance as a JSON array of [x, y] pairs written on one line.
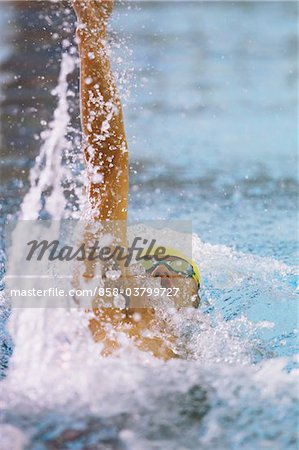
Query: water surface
[[211, 126]]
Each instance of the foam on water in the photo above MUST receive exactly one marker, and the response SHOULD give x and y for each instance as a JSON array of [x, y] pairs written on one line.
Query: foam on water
[[214, 397]]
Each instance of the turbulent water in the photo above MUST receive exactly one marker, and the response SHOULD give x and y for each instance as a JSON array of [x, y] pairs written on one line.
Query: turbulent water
[[211, 125]]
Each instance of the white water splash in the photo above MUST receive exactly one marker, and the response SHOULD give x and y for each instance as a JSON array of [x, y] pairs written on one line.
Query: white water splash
[[48, 171]]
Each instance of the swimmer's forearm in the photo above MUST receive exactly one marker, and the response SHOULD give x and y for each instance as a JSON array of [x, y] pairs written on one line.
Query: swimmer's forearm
[[104, 135], [100, 104], [100, 101]]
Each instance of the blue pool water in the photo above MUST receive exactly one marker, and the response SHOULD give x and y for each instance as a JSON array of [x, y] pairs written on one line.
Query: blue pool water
[[211, 125]]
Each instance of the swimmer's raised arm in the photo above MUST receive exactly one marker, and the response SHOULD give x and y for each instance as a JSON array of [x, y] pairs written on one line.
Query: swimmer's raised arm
[[106, 156], [104, 139]]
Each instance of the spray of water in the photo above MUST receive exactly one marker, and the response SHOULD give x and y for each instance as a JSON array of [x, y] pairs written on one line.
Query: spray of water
[[48, 172]]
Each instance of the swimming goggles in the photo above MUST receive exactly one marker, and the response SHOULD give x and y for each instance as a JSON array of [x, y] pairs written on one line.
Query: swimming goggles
[[175, 265]]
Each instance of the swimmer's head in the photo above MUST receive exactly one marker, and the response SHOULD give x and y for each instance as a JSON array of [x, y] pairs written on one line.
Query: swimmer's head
[[174, 269]]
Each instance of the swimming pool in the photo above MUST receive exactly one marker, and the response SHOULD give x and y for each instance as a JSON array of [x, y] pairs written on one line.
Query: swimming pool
[[211, 126]]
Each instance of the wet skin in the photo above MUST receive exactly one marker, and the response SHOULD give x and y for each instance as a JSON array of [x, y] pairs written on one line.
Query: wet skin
[[106, 158]]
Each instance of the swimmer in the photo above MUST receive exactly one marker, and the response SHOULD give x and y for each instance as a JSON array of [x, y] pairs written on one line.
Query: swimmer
[[106, 156]]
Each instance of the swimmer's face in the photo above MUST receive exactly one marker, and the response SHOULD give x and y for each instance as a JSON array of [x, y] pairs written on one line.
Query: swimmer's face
[[171, 278], [172, 273]]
